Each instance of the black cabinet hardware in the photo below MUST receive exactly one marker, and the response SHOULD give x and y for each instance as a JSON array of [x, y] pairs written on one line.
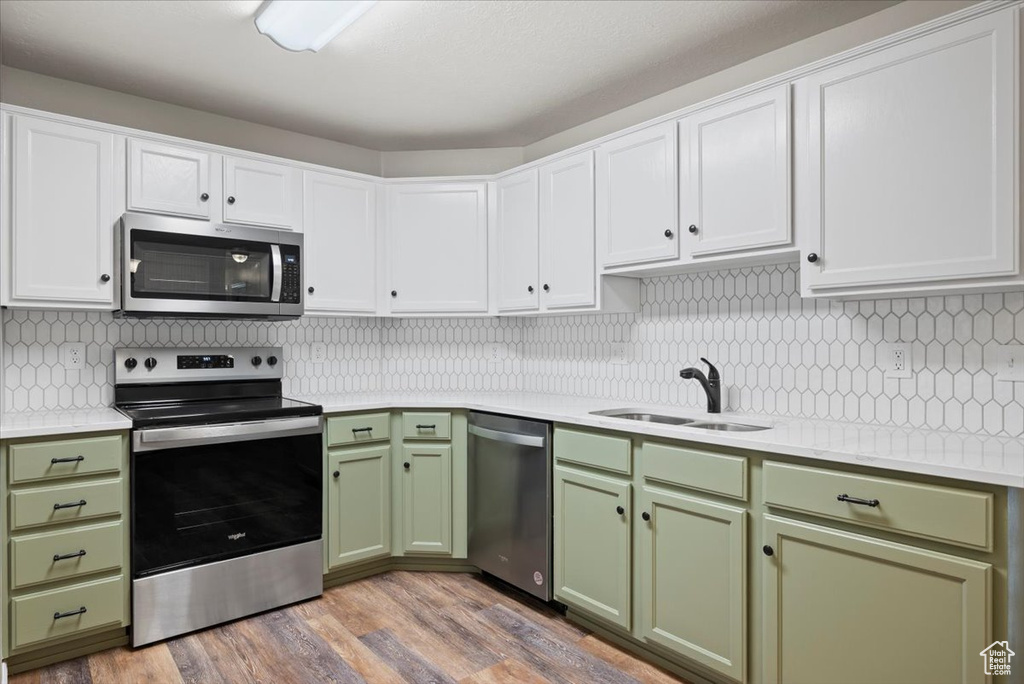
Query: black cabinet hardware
[[70, 613], [66, 556], [547, 288], [337, 474], [620, 510], [873, 503], [69, 459], [205, 196], [105, 277], [310, 289], [530, 289], [768, 551], [406, 465], [692, 229], [668, 234], [426, 427], [73, 504], [646, 516], [812, 257], [394, 293], [357, 430], [231, 200]]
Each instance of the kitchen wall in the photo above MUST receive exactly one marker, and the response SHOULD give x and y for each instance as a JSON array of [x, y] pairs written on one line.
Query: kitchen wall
[[779, 354]]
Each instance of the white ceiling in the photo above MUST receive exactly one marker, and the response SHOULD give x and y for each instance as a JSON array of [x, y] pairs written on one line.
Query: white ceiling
[[410, 74]]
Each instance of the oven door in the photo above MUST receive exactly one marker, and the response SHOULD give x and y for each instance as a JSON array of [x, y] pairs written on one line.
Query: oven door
[[213, 492], [174, 266]]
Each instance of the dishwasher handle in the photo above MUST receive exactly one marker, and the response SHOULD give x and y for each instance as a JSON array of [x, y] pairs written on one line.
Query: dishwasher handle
[[507, 437]]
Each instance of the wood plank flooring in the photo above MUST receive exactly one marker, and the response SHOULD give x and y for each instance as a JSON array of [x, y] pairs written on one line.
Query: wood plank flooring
[[399, 627]]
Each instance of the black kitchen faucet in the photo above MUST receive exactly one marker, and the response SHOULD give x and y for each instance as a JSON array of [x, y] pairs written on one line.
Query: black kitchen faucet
[[712, 384]]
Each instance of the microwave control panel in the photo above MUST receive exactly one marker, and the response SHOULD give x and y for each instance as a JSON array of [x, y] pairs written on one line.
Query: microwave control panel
[[291, 279]]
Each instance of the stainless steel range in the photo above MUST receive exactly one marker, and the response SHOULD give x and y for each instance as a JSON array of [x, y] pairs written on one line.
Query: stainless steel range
[[226, 487]]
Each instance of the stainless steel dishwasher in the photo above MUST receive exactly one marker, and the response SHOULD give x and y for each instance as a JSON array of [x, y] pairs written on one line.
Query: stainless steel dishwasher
[[510, 500]]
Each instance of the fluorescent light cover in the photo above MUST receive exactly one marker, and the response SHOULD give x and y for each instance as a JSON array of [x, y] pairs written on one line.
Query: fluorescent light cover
[[308, 24]]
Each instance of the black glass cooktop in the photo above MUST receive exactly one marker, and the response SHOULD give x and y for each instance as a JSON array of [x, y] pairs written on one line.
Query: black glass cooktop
[[217, 411]]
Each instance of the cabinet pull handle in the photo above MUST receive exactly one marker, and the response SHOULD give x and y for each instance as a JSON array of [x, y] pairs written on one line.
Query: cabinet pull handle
[[357, 430], [426, 427], [70, 613], [66, 556], [860, 502], [620, 510], [73, 504], [69, 459]]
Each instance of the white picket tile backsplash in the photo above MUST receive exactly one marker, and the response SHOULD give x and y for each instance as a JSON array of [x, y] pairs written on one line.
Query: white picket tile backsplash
[[779, 354]]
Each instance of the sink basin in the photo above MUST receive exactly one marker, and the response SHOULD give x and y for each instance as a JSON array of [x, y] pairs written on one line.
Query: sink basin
[[728, 427], [628, 414]]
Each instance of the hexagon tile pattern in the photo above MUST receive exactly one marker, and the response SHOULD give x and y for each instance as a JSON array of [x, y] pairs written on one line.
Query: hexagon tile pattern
[[779, 354]]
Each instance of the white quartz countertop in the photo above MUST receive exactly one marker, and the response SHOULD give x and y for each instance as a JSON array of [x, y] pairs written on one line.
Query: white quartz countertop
[[956, 455], [61, 422]]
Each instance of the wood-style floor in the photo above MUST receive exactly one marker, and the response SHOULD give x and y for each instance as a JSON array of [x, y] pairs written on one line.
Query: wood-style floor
[[398, 627]]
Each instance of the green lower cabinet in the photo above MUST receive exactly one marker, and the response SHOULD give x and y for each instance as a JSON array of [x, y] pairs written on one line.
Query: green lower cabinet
[[693, 579], [427, 498], [841, 607], [593, 544], [359, 505]]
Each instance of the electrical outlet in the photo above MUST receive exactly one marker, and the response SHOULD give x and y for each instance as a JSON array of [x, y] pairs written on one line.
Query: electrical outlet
[[495, 352], [1011, 363], [73, 355], [619, 354], [319, 352], [897, 360]]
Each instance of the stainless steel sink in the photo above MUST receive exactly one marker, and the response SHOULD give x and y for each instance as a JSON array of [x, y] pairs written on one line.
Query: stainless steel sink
[[728, 427], [644, 417], [629, 414]]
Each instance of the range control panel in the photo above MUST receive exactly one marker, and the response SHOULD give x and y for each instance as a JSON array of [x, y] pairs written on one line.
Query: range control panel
[[206, 361], [134, 365]]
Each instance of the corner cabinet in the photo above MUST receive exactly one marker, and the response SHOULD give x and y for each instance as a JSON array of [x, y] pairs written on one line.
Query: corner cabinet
[[922, 616], [436, 247], [427, 498], [340, 229], [910, 180], [59, 215]]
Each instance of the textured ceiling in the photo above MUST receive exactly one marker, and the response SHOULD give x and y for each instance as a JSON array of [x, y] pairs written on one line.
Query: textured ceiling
[[410, 75]]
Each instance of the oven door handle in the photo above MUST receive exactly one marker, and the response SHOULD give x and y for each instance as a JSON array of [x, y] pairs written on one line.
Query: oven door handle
[[155, 439], [275, 258]]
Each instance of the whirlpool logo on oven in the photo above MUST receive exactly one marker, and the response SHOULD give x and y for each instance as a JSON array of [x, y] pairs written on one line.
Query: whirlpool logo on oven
[[236, 536]]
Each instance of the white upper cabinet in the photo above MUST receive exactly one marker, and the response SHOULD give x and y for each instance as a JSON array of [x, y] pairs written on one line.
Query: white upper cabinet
[[734, 175], [516, 232], [909, 172], [60, 238], [262, 193], [636, 197], [167, 179], [437, 247], [340, 242], [568, 264]]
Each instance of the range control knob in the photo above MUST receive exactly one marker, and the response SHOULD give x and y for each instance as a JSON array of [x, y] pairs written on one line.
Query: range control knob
[[150, 363], [130, 363], [272, 360], [257, 361]]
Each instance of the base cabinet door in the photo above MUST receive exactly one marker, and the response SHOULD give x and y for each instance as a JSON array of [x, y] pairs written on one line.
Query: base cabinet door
[[592, 544], [427, 498], [693, 579], [359, 505], [841, 607]]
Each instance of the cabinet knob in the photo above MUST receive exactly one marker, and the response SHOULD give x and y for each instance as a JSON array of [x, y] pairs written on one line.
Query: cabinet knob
[[337, 474], [394, 293], [547, 288], [812, 257], [692, 229], [105, 277], [530, 289], [646, 516], [406, 465], [205, 196], [231, 200], [768, 551], [620, 510], [310, 289], [668, 234]]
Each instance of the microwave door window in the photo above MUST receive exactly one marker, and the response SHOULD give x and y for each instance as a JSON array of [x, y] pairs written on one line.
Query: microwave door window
[[212, 270]]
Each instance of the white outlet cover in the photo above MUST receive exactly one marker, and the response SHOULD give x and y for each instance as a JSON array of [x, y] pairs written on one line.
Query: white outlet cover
[[73, 355], [319, 352], [889, 360], [1011, 363], [495, 351], [619, 354]]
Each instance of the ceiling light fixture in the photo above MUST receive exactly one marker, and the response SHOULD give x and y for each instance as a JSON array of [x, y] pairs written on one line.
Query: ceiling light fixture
[[298, 25]]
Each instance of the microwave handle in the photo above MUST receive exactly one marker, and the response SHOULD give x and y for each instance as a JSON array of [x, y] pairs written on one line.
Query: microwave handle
[[275, 256]]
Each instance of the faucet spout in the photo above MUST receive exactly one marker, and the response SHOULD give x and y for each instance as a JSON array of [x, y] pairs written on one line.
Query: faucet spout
[[712, 384]]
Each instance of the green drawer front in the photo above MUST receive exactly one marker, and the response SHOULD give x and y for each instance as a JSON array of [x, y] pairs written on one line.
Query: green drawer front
[[435, 425], [957, 516], [598, 451], [703, 470], [366, 427], [32, 616], [33, 556], [32, 507], [36, 460]]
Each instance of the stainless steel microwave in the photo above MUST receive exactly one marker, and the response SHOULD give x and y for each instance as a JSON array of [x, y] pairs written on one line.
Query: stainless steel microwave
[[176, 267]]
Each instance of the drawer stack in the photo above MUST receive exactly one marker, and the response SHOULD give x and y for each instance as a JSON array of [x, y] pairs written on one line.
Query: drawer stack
[[67, 533]]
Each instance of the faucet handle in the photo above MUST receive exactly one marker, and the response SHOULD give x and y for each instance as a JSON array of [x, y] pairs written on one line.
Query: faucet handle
[[712, 371]]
